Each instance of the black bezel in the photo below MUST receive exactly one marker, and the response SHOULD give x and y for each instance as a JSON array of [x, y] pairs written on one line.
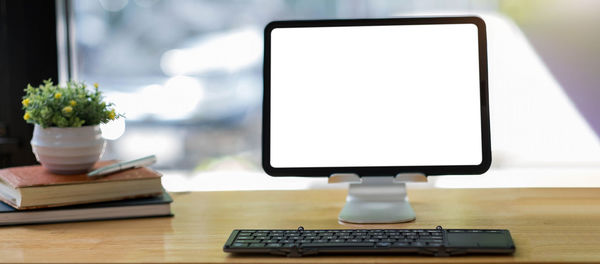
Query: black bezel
[[384, 170]]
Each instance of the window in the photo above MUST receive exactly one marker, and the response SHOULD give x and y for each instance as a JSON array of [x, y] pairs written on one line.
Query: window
[[188, 76]]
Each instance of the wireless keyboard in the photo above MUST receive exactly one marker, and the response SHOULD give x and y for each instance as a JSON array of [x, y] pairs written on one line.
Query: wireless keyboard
[[436, 242]]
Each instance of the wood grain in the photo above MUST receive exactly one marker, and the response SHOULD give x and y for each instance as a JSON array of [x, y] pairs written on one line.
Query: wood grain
[[547, 225]]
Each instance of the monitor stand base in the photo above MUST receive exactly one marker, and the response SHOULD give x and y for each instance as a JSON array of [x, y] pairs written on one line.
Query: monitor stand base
[[377, 200]]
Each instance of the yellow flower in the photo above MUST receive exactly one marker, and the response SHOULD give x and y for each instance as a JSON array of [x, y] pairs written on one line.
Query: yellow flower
[[96, 85], [25, 102], [111, 114], [26, 116], [67, 109], [57, 95], [72, 103]]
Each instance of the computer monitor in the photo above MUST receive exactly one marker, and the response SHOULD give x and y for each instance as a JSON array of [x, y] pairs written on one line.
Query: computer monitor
[[376, 97]]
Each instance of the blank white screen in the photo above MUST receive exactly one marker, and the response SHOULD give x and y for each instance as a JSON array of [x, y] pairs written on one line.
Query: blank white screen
[[375, 96]]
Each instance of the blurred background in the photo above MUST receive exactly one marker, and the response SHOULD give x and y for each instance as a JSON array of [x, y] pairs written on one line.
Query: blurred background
[[188, 76]]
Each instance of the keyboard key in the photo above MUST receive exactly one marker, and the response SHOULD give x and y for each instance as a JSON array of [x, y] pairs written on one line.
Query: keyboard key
[[250, 241], [238, 244], [257, 245], [308, 245], [383, 244], [273, 245]]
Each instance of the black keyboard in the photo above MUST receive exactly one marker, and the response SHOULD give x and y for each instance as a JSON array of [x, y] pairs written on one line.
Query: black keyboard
[[436, 242]]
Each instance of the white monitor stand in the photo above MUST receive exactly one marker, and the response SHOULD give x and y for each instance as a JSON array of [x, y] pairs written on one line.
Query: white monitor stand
[[376, 200]]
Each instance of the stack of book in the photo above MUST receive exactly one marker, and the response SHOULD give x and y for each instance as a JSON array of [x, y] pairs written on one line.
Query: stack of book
[[32, 195]]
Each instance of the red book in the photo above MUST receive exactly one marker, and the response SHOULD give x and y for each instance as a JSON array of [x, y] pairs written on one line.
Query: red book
[[31, 187]]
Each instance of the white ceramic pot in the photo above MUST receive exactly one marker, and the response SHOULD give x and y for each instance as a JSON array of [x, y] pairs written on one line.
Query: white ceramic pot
[[68, 150]]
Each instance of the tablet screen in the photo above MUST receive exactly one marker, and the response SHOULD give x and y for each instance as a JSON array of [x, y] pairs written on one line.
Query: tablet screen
[[371, 96]]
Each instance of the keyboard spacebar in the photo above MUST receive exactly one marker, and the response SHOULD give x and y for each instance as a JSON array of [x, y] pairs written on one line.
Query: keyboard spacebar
[[314, 245]]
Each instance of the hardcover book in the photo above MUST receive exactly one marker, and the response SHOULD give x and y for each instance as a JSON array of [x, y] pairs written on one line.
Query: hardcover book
[[133, 208], [31, 187]]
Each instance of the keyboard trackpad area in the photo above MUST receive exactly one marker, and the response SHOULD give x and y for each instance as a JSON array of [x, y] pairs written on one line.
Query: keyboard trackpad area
[[478, 239]]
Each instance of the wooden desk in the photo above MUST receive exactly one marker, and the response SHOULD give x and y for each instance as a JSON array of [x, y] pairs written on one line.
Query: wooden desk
[[548, 225]]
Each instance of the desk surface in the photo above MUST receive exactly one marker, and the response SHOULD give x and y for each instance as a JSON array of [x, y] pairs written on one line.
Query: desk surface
[[547, 225]]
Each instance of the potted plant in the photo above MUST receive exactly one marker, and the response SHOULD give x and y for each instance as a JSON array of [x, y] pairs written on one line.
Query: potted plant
[[66, 137]]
